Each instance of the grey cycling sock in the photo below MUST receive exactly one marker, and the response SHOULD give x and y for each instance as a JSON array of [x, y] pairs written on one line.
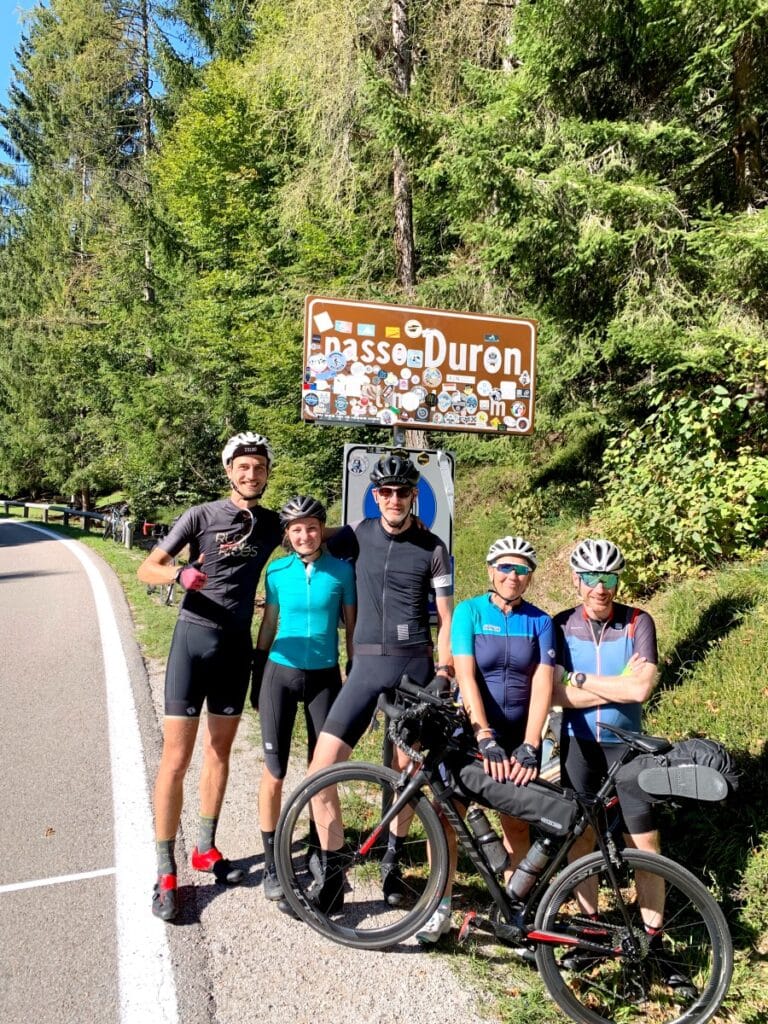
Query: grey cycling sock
[[206, 833], [166, 856]]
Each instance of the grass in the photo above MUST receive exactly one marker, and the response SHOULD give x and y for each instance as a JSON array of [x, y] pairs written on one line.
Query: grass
[[713, 640]]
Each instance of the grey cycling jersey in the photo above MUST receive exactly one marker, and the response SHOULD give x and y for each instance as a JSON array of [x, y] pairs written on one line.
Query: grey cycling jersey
[[395, 573], [234, 558]]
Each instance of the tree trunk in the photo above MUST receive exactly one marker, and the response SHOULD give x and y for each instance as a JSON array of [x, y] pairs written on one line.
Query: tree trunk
[[148, 289], [746, 145], [405, 255]]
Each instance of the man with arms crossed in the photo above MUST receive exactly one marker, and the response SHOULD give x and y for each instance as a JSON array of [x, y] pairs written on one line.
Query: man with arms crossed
[[210, 657], [397, 563], [606, 667]]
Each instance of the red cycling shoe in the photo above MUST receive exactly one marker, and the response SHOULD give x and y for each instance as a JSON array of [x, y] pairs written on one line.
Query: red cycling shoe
[[164, 898], [213, 862]]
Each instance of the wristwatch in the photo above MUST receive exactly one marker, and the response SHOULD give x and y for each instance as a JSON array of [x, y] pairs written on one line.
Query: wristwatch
[[579, 678], [445, 670]]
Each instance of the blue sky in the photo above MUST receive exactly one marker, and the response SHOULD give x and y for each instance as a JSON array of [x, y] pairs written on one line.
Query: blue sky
[[10, 34]]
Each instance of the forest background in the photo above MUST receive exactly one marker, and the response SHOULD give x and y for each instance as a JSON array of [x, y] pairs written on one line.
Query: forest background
[[177, 176]]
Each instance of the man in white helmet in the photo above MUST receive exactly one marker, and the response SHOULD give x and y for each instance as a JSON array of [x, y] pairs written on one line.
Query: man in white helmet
[[606, 669], [210, 658]]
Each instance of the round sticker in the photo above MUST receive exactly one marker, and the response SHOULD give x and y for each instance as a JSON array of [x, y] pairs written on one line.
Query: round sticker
[[409, 401], [405, 373], [430, 401], [522, 424], [437, 417], [518, 409], [386, 417], [482, 417], [451, 417], [421, 393], [444, 401], [381, 374], [525, 378], [433, 378], [317, 363], [336, 361], [391, 379], [412, 328], [358, 465], [422, 413], [341, 403], [358, 369], [472, 404], [311, 399], [483, 388]]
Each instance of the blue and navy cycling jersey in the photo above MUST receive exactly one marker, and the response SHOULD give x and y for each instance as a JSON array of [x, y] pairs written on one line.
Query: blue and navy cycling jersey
[[309, 599], [507, 648], [628, 631]]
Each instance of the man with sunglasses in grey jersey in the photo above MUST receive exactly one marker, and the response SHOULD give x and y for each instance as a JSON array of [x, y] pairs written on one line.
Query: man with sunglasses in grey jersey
[[606, 669]]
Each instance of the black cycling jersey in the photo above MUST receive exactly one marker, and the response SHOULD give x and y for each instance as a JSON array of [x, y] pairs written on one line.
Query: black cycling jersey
[[234, 559], [394, 573]]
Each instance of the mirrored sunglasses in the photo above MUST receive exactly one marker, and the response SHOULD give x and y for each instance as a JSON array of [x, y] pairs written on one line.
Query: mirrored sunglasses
[[519, 570], [394, 492], [608, 579]]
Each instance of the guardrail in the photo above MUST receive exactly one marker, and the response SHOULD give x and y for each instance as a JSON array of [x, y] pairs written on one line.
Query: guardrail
[[66, 514]]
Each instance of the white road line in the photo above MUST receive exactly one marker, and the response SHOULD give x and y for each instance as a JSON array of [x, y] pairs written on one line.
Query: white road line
[[147, 991], [37, 883]]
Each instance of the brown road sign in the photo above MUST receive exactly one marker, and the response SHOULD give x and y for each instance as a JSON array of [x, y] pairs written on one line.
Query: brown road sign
[[375, 364]]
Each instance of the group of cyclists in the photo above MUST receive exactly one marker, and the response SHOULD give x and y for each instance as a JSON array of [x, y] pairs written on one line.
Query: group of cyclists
[[510, 661]]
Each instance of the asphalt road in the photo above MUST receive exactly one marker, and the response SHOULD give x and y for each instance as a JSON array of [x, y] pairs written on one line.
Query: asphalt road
[[81, 720]]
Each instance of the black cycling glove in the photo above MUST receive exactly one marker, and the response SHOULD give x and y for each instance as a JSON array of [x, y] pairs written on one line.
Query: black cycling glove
[[491, 750], [259, 664], [527, 756]]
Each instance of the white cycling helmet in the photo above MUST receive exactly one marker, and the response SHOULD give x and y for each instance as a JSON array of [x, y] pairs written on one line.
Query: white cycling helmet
[[506, 546], [597, 556], [247, 444]]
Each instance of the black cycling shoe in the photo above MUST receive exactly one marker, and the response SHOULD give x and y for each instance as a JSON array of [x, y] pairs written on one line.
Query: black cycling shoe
[[328, 895], [285, 907], [392, 884], [671, 974], [272, 888], [164, 898]]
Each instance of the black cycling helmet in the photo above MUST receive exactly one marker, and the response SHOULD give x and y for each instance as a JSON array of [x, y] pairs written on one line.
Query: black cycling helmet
[[394, 469], [301, 506]]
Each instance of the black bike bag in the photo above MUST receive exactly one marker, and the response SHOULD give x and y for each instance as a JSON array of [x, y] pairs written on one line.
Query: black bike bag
[[552, 809]]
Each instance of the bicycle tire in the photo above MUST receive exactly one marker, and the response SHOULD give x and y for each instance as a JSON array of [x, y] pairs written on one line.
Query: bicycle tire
[[696, 945], [366, 920]]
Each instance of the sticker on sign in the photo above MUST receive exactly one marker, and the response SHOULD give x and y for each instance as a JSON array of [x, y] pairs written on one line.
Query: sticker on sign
[[390, 365]]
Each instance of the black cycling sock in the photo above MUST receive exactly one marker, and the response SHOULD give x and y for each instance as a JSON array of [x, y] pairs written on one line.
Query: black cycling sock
[[206, 833], [394, 848], [268, 842], [313, 839], [166, 856]]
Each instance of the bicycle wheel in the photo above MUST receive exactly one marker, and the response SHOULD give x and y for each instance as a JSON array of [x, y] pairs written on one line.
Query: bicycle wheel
[[366, 921], [683, 979]]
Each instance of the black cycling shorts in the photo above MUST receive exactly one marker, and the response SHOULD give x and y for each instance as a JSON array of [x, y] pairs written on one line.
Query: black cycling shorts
[[282, 689], [371, 675], [211, 665], [584, 765]]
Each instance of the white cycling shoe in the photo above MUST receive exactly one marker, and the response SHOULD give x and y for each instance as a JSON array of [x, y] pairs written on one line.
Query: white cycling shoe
[[438, 925]]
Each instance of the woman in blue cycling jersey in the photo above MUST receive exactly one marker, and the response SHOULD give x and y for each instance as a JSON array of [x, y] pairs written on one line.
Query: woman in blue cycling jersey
[[297, 654], [503, 654]]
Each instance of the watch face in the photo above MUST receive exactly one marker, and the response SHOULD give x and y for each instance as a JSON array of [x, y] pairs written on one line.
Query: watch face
[[580, 678]]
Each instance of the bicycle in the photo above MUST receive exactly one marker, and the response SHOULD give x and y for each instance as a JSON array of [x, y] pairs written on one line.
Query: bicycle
[[596, 970], [115, 523]]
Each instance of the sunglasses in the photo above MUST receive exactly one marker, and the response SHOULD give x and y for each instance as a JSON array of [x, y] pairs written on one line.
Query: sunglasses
[[395, 492], [608, 579], [507, 567]]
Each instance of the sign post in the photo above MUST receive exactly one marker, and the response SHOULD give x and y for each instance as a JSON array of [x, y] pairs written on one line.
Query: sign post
[[402, 367]]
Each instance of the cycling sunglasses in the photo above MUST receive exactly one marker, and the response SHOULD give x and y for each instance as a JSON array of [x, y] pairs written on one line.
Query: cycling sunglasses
[[608, 579], [505, 568], [395, 492]]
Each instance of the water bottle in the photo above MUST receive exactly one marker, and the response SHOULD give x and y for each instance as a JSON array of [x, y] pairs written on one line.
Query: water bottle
[[490, 844], [529, 869]]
